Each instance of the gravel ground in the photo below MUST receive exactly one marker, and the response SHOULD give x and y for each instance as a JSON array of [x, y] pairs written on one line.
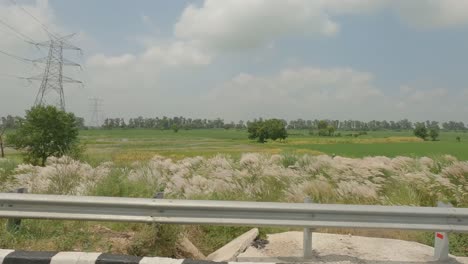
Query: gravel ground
[[331, 248]]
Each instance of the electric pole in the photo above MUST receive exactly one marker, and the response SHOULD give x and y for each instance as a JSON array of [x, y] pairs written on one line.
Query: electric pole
[[52, 79], [95, 111]]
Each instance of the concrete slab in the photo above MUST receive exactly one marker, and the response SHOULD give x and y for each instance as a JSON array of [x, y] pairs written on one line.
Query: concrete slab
[[332, 248], [230, 251]]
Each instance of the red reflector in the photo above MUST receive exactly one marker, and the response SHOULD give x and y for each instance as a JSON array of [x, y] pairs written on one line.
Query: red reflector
[[439, 235]]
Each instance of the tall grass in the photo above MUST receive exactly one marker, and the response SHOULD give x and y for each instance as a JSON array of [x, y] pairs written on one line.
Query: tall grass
[[251, 177]]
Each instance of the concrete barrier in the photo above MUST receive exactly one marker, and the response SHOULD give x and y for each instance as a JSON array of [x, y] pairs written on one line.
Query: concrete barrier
[[8, 256]]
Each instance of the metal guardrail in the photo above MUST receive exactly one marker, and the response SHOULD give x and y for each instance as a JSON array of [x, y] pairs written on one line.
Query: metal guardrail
[[13, 205], [307, 215]]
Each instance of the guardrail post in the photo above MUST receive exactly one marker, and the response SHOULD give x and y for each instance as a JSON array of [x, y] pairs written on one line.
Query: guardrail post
[[159, 195], [441, 245], [307, 242], [15, 223]]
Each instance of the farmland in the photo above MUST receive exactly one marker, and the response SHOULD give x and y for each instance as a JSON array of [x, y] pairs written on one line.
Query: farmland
[[141, 144]]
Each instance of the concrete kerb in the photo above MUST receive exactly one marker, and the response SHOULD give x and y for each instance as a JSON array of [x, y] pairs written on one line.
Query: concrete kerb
[[8, 256]]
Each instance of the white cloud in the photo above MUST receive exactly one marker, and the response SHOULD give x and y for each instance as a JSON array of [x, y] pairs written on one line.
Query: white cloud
[[237, 25], [111, 61], [234, 24], [176, 53]]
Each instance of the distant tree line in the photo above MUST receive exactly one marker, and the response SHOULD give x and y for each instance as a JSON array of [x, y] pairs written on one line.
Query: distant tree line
[[10, 122], [170, 123], [374, 125], [322, 126], [13, 122], [330, 125]]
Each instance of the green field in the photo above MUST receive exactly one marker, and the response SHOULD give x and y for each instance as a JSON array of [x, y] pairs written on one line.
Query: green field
[[124, 146], [141, 144]]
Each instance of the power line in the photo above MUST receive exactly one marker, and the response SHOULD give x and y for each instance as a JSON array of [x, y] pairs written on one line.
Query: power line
[[33, 17], [15, 57], [19, 34], [11, 76]]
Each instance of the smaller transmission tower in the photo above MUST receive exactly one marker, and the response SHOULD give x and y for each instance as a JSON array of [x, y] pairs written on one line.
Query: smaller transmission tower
[[52, 79], [96, 111]]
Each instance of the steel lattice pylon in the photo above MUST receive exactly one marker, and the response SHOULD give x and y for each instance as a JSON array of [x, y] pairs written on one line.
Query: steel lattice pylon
[[52, 79]]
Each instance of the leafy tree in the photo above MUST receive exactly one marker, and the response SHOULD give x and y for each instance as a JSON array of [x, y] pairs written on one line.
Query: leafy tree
[[175, 128], [269, 129], [420, 131], [323, 132], [331, 130], [46, 131], [458, 139], [322, 124], [434, 133], [276, 129], [256, 130]]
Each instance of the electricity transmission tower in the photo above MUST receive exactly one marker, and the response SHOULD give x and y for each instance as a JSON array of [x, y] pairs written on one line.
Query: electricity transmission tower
[[95, 111], [52, 79]]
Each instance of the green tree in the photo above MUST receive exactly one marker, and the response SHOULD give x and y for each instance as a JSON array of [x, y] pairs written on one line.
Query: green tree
[[269, 129], [323, 132], [322, 125], [276, 129], [175, 128], [256, 130], [46, 131], [434, 133], [458, 139], [331, 130], [420, 130]]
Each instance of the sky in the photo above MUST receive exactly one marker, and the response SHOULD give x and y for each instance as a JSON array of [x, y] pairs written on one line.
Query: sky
[[243, 59]]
